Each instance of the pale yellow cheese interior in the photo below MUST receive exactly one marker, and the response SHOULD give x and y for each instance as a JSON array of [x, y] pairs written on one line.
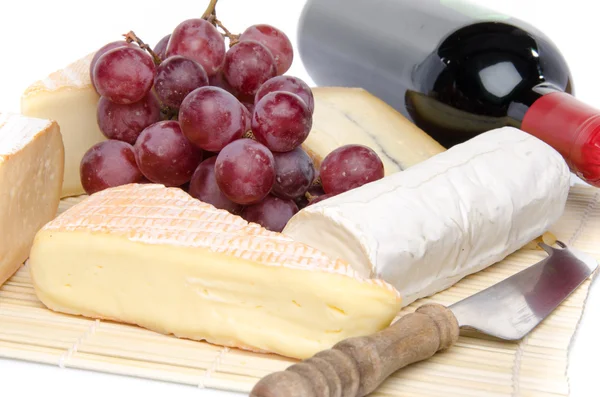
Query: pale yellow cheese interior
[[68, 97], [354, 116], [175, 265], [197, 294], [31, 169]]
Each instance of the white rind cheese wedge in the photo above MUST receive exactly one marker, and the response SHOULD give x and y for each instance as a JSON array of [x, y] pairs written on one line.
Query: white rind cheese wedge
[[342, 116], [345, 116], [31, 172], [156, 257], [68, 97], [424, 229]]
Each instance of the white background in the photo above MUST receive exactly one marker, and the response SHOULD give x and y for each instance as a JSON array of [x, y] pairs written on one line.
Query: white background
[[39, 37]]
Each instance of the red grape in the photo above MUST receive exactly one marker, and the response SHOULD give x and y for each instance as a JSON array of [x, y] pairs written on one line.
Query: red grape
[[211, 118], [203, 186], [276, 41], [161, 47], [272, 213], [124, 75], [165, 156], [218, 80], [349, 167], [313, 192], [126, 122], [294, 173], [247, 66], [287, 84], [176, 77], [103, 50], [247, 119], [199, 40], [320, 198], [245, 171], [281, 121], [301, 202], [247, 101], [250, 107], [108, 164]]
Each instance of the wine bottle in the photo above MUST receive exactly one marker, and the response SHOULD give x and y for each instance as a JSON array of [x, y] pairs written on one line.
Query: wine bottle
[[454, 69]]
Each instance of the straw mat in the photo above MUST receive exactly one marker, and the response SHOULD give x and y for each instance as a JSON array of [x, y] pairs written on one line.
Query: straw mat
[[476, 366]]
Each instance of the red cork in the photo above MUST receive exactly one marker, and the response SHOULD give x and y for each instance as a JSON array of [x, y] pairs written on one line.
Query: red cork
[[572, 128]]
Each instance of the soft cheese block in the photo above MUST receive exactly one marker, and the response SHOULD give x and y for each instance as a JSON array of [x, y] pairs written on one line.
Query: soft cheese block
[[68, 97], [156, 257], [425, 228], [31, 172], [354, 116]]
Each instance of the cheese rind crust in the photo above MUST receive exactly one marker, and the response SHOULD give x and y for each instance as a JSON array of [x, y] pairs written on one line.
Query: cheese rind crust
[[31, 172], [156, 257], [425, 228]]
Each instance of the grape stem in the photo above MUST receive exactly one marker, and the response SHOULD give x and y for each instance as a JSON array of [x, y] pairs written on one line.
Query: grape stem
[[309, 196], [211, 16], [233, 38], [170, 113], [210, 10], [131, 37], [249, 135]]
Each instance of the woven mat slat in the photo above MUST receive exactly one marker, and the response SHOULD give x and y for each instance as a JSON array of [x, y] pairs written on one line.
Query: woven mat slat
[[477, 365]]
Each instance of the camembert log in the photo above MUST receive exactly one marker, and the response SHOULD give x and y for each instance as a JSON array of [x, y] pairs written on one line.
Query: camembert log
[[425, 228], [342, 116], [31, 172], [68, 97], [156, 257]]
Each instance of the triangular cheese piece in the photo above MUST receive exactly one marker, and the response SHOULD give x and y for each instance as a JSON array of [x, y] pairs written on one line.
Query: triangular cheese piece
[[156, 257]]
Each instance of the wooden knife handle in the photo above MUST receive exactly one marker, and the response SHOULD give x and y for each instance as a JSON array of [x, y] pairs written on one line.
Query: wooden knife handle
[[356, 366]]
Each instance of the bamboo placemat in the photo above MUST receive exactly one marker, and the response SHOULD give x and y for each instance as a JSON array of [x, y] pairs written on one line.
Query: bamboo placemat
[[476, 366]]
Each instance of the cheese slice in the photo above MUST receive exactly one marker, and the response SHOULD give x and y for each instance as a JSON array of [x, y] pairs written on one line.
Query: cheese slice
[[68, 97], [342, 116], [156, 257], [353, 116], [31, 171], [424, 229]]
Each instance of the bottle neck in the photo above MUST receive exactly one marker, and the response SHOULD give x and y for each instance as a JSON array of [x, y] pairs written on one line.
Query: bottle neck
[[569, 126]]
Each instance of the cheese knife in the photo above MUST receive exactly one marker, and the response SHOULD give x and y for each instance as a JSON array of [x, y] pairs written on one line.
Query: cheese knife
[[508, 310]]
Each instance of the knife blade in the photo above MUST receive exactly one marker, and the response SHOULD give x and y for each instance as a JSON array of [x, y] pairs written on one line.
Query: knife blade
[[520, 302], [507, 310]]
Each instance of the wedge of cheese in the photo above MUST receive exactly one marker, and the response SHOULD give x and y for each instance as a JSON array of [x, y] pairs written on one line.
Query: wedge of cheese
[[31, 172], [353, 116], [424, 229], [342, 116], [67, 96], [158, 258]]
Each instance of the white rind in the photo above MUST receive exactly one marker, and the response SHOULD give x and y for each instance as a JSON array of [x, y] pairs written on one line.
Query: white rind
[[19, 131], [425, 228]]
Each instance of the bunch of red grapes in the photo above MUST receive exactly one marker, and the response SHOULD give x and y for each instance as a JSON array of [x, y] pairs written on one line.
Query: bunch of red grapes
[[225, 125]]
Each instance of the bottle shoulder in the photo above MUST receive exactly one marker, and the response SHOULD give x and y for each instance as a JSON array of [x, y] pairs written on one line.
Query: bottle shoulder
[[486, 66]]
